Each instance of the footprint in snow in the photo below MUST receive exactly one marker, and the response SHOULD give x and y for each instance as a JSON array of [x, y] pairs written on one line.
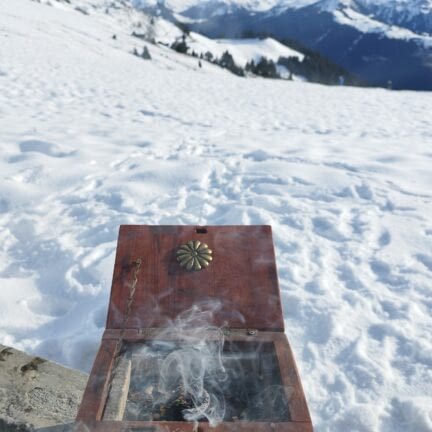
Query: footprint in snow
[[426, 260], [349, 278], [384, 239], [364, 191], [385, 274], [4, 205], [393, 310], [46, 148], [327, 229], [259, 156]]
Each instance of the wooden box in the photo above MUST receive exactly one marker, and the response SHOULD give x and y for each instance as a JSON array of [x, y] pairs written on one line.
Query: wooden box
[[194, 339]]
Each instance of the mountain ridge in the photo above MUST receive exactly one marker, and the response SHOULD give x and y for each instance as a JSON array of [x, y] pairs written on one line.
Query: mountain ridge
[[385, 52], [415, 15]]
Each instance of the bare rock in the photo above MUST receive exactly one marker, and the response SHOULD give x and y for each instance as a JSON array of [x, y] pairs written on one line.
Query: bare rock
[[36, 393]]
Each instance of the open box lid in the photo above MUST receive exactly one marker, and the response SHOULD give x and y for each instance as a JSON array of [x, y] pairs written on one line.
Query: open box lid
[[150, 288]]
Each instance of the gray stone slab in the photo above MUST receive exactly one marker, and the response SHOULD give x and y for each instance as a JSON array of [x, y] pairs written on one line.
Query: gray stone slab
[[36, 393]]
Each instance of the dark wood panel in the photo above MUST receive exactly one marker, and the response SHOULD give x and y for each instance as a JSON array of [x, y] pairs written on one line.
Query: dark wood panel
[[95, 394], [190, 427], [242, 277], [297, 402]]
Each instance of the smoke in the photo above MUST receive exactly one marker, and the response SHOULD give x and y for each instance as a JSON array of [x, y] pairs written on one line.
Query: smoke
[[189, 371], [190, 367]]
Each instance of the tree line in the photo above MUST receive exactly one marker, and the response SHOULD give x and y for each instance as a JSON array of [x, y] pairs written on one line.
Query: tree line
[[313, 67]]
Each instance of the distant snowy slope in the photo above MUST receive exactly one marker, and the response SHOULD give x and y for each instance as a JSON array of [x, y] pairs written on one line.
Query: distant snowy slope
[[366, 16], [127, 18], [92, 137], [242, 50], [369, 24], [415, 15], [216, 5]]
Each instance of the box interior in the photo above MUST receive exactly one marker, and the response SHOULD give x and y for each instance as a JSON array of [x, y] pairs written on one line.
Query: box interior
[[200, 381]]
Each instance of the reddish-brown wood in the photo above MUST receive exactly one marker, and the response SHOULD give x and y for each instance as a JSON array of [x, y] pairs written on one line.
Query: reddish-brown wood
[[95, 394], [298, 408], [242, 276], [239, 426], [150, 289]]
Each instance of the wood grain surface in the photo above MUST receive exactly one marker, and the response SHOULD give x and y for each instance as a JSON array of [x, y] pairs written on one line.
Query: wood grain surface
[[242, 276]]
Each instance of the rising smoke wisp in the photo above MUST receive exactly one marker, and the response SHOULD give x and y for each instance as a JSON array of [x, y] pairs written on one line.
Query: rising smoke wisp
[[191, 372]]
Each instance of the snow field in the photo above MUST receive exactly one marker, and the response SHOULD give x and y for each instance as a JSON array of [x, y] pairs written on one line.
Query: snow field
[[92, 137]]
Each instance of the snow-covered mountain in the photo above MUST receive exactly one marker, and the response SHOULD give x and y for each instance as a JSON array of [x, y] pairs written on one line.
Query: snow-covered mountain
[[412, 14], [159, 30], [250, 56], [415, 15], [380, 41]]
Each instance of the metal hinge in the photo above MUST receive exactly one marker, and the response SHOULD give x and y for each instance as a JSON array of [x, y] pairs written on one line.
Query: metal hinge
[[237, 331], [150, 331]]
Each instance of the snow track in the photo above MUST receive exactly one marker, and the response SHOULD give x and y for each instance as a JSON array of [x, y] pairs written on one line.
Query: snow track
[[92, 137]]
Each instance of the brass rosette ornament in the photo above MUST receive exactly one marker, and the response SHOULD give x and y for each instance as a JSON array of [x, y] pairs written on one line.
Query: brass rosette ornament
[[194, 255]]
